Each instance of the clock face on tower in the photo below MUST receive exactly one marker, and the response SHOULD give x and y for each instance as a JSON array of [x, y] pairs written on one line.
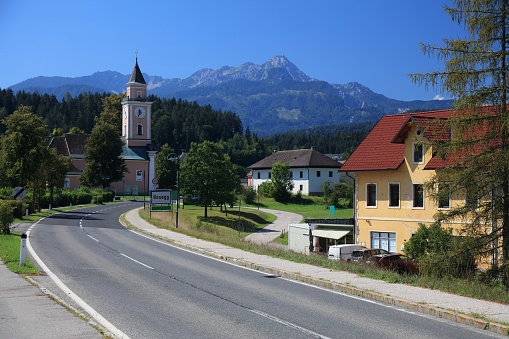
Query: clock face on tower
[[140, 112]]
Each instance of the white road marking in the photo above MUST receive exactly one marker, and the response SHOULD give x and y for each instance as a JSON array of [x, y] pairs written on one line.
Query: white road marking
[[92, 237], [99, 318], [289, 324], [136, 261]]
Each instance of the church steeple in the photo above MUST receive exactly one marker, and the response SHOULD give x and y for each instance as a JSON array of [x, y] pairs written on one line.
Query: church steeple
[[137, 110], [136, 75]]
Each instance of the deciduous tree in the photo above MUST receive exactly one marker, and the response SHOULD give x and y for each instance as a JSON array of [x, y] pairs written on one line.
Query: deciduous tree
[[23, 146], [208, 173], [166, 170], [282, 182], [103, 152]]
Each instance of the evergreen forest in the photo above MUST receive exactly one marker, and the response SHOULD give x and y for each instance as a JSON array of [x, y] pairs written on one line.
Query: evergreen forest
[[179, 123]]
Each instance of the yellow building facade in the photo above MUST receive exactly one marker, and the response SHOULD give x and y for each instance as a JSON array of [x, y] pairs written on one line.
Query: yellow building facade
[[390, 167]]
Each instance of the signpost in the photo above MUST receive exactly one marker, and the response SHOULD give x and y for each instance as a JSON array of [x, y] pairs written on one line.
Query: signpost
[[19, 193], [160, 200]]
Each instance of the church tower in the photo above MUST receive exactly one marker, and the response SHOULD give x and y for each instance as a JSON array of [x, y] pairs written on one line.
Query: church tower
[[136, 111], [136, 131]]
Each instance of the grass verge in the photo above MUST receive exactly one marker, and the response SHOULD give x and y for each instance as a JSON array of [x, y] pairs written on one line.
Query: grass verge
[[9, 252]]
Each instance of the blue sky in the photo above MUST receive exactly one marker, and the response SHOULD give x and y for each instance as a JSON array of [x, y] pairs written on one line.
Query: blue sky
[[372, 42]]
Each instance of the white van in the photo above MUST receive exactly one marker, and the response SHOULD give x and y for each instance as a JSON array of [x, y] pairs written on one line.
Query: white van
[[343, 252]]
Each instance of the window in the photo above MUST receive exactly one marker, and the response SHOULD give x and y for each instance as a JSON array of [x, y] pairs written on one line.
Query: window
[[418, 196], [371, 195], [330, 174], [418, 153], [301, 174], [393, 194], [258, 175], [384, 240], [300, 188], [291, 174], [138, 94], [444, 196], [270, 175], [140, 129], [318, 174]]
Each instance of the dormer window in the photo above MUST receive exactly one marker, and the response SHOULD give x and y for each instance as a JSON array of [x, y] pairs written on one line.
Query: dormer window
[[418, 154]]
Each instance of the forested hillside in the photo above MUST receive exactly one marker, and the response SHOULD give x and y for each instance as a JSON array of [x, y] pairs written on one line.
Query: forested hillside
[[188, 122], [326, 139]]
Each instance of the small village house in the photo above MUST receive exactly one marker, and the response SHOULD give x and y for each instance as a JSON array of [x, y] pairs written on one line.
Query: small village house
[[309, 169]]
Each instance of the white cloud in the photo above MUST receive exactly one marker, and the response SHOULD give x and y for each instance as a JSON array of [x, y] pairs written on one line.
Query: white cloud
[[438, 97]]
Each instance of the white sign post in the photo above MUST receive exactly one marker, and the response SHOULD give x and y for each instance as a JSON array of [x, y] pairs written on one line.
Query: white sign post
[[160, 200]]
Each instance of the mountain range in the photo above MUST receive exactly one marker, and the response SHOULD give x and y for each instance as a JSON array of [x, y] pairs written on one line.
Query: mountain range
[[270, 98]]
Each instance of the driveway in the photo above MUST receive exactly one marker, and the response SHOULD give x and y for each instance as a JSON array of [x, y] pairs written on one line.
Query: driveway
[[272, 231]]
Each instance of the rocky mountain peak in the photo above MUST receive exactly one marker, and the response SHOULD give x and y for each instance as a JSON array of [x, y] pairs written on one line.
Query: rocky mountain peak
[[281, 62]]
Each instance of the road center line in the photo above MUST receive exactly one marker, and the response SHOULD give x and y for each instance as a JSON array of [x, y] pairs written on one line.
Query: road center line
[[92, 237], [286, 323], [136, 261]]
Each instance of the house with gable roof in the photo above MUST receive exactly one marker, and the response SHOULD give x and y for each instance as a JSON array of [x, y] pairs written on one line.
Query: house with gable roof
[[390, 167], [309, 169]]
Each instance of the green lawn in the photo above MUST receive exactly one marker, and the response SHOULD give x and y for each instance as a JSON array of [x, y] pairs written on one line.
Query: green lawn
[[9, 252], [308, 207]]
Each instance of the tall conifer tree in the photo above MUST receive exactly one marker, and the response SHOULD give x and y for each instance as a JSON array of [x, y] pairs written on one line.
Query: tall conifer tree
[[477, 158]]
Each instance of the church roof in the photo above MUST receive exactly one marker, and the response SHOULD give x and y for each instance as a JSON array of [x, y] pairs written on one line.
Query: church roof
[[136, 75], [134, 152], [69, 144]]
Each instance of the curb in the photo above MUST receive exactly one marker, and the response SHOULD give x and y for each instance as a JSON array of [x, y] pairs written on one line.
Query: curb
[[375, 296]]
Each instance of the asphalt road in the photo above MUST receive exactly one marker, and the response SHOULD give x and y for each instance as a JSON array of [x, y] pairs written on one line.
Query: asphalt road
[[149, 289]]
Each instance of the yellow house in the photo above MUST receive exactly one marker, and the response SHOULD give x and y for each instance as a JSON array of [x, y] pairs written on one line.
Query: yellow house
[[390, 166]]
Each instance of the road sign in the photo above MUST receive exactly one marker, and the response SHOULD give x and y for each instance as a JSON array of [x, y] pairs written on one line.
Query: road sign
[[155, 181], [160, 197], [161, 207], [19, 193]]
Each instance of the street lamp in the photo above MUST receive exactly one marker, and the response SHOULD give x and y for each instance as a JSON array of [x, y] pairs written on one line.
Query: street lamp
[[175, 157]]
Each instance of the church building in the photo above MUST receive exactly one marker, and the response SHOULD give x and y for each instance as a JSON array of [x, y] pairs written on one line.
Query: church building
[[138, 152]]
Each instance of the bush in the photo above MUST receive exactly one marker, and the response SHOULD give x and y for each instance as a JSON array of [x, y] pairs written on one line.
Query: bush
[[6, 217], [340, 195], [449, 265], [429, 241], [266, 189], [249, 195]]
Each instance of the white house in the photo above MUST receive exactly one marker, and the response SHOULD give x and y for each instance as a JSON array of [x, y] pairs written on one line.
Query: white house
[[309, 168]]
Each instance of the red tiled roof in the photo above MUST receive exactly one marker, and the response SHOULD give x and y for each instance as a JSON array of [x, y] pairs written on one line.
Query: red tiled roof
[[433, 128], [383, 147]]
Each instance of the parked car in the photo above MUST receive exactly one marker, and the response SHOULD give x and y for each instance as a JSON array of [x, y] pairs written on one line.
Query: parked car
[[396, 262], [364, 255], [343, 252]]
